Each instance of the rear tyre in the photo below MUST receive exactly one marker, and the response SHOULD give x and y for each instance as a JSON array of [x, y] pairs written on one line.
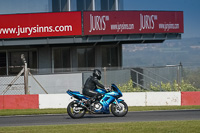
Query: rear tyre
[[120, 110], [75, 111]]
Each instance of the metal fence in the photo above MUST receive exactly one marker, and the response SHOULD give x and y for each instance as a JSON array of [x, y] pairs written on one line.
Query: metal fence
[[145, 77], [111, 75], [17, 84], [12, 85], [59, 81]]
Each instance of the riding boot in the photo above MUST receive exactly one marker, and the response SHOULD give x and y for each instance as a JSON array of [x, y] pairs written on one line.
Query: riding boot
[[89, 103]]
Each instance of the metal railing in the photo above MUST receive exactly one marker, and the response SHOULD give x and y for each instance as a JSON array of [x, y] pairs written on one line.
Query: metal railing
[[150, 77], [17, 85], [57, 82]]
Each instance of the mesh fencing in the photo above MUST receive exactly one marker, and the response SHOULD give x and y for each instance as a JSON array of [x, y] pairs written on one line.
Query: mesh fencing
[[42, 81], [7, 88]]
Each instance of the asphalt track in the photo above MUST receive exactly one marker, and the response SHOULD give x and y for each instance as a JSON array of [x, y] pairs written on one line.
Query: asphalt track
[[101, 118]]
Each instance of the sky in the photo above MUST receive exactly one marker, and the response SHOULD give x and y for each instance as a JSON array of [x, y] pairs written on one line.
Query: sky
[[190, 8]]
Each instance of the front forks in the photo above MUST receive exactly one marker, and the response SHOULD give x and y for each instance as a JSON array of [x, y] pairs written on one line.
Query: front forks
[[118, 105]]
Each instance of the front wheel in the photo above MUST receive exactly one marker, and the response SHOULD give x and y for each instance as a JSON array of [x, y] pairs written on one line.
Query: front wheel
[[120, 109], [75, 111]]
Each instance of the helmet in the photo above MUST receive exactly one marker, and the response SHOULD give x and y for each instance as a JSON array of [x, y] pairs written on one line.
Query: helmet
[[97, 74]]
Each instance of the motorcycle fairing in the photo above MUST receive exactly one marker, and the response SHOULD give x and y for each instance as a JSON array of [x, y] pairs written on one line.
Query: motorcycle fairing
[[77, 95], [106, 101], [116, 89], [102, 91], [118, 100]]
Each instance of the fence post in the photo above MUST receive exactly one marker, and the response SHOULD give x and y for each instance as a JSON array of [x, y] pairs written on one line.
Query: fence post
[[25, 75], [179, 75], [105, 76], [26, 79], [137, 78]]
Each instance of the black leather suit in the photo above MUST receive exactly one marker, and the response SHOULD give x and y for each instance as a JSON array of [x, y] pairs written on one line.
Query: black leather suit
[[90, 85]]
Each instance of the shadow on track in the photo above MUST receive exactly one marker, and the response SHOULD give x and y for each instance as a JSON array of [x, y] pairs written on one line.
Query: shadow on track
[[94, 116]]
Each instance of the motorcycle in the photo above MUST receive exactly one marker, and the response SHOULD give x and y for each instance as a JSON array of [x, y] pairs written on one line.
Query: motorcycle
[[78, 107]]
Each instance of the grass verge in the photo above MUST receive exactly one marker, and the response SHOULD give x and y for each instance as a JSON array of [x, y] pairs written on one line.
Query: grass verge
[[130, 127], [8, 112]]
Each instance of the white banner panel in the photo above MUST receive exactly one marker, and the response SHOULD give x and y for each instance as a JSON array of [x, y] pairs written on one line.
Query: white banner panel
[[163, 98], [134, 98], [54, 100]]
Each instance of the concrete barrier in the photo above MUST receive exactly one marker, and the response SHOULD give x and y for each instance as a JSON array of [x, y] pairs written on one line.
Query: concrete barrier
[[19, 102], [1, 102], [163, 98], [152, 98], [44, 101], [54, 100], [134, 98], [190, 98]]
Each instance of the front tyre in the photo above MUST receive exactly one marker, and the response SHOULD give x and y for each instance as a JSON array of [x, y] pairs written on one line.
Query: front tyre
[[119, 110], [75, 111]]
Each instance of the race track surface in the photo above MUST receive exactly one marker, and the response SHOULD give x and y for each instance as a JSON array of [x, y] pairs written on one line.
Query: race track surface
[[101, 118]]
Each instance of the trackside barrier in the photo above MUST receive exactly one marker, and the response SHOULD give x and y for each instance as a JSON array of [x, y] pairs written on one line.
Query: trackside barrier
[[163, 98], [152, 98], [19, 102], [190, 98], [132, 99], [43, 101], [1, 102], [54, 100]]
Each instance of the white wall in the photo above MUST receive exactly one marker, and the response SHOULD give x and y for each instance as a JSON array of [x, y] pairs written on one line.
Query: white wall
[[163, 98], [56, 83], [54, 100], [132, 99], [152, 98]]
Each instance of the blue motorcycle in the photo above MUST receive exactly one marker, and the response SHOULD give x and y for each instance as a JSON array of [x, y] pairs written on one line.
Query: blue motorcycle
[[78, 107]]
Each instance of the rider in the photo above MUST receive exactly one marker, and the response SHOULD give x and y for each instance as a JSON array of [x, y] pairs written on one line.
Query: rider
[[91, 84]]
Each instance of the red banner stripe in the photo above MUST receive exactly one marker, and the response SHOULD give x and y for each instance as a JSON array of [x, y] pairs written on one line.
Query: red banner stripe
[[19, 102], [190, 98]]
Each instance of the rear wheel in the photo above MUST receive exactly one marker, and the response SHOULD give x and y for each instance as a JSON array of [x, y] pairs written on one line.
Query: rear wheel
[[120, 109], [75, 111]]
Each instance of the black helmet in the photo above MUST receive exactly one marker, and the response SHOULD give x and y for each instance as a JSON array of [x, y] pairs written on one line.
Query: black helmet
[[97, 74]]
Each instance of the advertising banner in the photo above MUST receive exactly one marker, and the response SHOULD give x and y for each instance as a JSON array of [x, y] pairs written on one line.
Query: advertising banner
[[40, 25], [132, 22]]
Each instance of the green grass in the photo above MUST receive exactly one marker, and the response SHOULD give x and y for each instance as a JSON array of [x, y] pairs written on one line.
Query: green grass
[[63, 111], [151, 108], [130, 127], [6, 112]]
